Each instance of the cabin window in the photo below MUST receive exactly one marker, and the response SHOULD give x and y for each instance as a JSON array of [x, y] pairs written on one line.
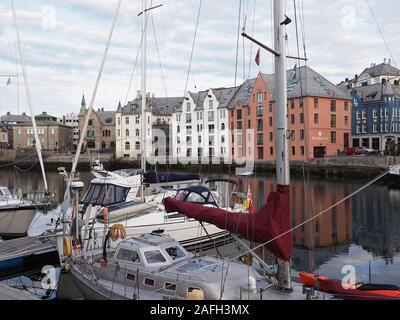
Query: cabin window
[[175, 252], [154, 256], [195, 197], [170, 286], [105, 194], [191, 289], [128, 255], [131, 277], [149, 282]]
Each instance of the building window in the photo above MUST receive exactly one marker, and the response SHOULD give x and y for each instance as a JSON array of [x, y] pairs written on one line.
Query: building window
[[239, 125], [301, 117], [302, 150], [333, 121], [137, 133], [126, 133], [211, 104], [364, 114], [346, 106], [90, 122], [271, 151], [260, 125], [188, 118], [271, 136], [188, 107], [137, 120], [316, 118], [291, 104], [259, 97], [346, 120], [137, 145], [127, 146], [293, 151], [375, 113], [260, 111], [301, 134], [211, 116], [271, 122], [211, 129], [126, 120], [270, 107], [333, 105], [316, 103], [249, 124], [292, 119], [222, 126], [333, 137], [239, 114], [375, 127]]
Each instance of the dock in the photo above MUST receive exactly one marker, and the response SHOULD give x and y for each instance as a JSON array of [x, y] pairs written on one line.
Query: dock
[[25, 256]]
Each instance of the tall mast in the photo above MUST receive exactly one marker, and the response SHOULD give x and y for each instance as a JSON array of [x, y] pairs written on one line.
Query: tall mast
[[38, 143], [281, 116], [144, 98]]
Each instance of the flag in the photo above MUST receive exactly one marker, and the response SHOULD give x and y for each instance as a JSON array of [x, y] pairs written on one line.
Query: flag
[[9, 81], [249, 201], [258, 57]]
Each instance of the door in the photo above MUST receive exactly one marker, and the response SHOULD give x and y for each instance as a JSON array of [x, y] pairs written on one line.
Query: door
[[319, 152]]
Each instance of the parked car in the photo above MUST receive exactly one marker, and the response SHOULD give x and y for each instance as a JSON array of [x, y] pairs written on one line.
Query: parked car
[[369, 152], [357, 151]]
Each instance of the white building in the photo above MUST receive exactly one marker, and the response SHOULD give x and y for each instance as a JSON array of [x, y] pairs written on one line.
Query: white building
[[128, 127], [72, 120], [200, 127]]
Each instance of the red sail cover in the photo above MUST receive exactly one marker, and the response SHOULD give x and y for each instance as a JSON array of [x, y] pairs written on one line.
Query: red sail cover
[[266, 224]]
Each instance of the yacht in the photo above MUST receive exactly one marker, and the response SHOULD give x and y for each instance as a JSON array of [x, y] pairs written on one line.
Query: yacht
[[16, 214]]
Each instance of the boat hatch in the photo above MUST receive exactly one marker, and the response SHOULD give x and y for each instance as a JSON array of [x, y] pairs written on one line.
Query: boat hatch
[[196, 265], [196, 194], [105, 194]]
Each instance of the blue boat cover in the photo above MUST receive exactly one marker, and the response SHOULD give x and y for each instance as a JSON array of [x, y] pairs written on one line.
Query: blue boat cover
[[153, 177]]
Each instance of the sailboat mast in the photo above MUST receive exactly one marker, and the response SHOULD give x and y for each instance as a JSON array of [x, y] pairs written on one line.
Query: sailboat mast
[[281, 116], [144, 75], [38, 144]]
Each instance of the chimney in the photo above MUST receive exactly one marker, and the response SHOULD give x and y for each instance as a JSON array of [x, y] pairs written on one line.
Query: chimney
[[384, 61], [102, 109], [24, 113], [390, 61], [9, 113], [347, 80], [139, 94]]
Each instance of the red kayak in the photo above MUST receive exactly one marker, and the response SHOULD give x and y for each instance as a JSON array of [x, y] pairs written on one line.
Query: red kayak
[[359, 292]]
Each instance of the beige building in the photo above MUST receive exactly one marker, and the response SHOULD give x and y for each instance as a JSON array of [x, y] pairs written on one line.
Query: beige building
[[4, 144], [52, 134], [100, 135]]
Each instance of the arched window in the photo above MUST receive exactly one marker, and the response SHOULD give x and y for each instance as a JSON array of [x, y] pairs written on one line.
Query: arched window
[[137, 146], [127, 133], [127, 146], [223, 126], [137, 132]]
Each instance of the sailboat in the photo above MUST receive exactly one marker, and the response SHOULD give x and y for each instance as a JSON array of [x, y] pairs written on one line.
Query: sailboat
[[17, 213]]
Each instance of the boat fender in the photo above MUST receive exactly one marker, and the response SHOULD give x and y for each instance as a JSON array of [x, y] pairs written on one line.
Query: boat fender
[[67, 247], [252, 284], [195, 295], [118, 231], [105, 214]]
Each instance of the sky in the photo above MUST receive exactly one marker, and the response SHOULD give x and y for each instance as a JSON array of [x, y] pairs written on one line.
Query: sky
[[63, 42]]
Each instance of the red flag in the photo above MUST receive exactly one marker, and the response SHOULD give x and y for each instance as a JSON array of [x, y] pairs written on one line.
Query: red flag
[[258, 57]]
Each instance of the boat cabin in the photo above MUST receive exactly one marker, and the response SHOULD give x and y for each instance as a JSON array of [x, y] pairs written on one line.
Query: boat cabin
[[198, 195], [5, 194], [150, 251]]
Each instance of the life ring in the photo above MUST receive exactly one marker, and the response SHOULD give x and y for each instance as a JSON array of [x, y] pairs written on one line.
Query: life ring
[[67, 250], [118, 231]]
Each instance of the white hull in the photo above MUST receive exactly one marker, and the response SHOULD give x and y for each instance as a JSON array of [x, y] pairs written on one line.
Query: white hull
[[15, 222]]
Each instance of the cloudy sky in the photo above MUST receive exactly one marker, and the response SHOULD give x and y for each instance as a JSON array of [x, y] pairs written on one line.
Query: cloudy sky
[[63, 42]]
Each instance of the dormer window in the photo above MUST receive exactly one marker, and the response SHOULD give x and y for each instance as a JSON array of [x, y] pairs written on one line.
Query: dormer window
[[188, 107], [211, 104]]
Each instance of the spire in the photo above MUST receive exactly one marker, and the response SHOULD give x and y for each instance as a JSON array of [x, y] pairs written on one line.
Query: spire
[[83, 105], [119, 110]]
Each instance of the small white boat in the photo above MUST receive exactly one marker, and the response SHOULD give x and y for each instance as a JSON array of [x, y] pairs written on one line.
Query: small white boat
[[16, 215]]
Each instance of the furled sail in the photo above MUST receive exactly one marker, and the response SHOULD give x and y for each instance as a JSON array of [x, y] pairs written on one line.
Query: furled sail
[[153, 177], [265, 225]]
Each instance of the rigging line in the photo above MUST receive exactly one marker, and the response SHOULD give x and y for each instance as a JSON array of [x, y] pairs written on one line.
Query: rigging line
[[193, 45], [38, 144], [380, 31], [350, 196], [159, 57], [238, 41], [136, 59], [252, 34]]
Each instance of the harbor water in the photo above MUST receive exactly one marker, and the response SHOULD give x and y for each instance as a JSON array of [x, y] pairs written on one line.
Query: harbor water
[[361, 234]]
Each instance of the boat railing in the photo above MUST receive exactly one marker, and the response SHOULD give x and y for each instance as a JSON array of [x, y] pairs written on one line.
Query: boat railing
[[251, 292]]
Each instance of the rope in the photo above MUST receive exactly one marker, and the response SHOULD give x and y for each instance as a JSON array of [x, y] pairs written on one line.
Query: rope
[[193, 45], [380, 31], [159, 57]]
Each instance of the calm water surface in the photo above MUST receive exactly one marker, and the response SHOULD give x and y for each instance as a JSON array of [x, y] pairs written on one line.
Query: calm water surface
[[363, 232]]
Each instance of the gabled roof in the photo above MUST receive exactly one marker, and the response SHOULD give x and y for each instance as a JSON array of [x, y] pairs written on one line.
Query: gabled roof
[[14, 118], [106, 117], [242, 94], [306, 82], [159, 106], [383, 69]]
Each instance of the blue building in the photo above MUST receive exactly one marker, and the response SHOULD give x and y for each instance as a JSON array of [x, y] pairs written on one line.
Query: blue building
[[376, 106]]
